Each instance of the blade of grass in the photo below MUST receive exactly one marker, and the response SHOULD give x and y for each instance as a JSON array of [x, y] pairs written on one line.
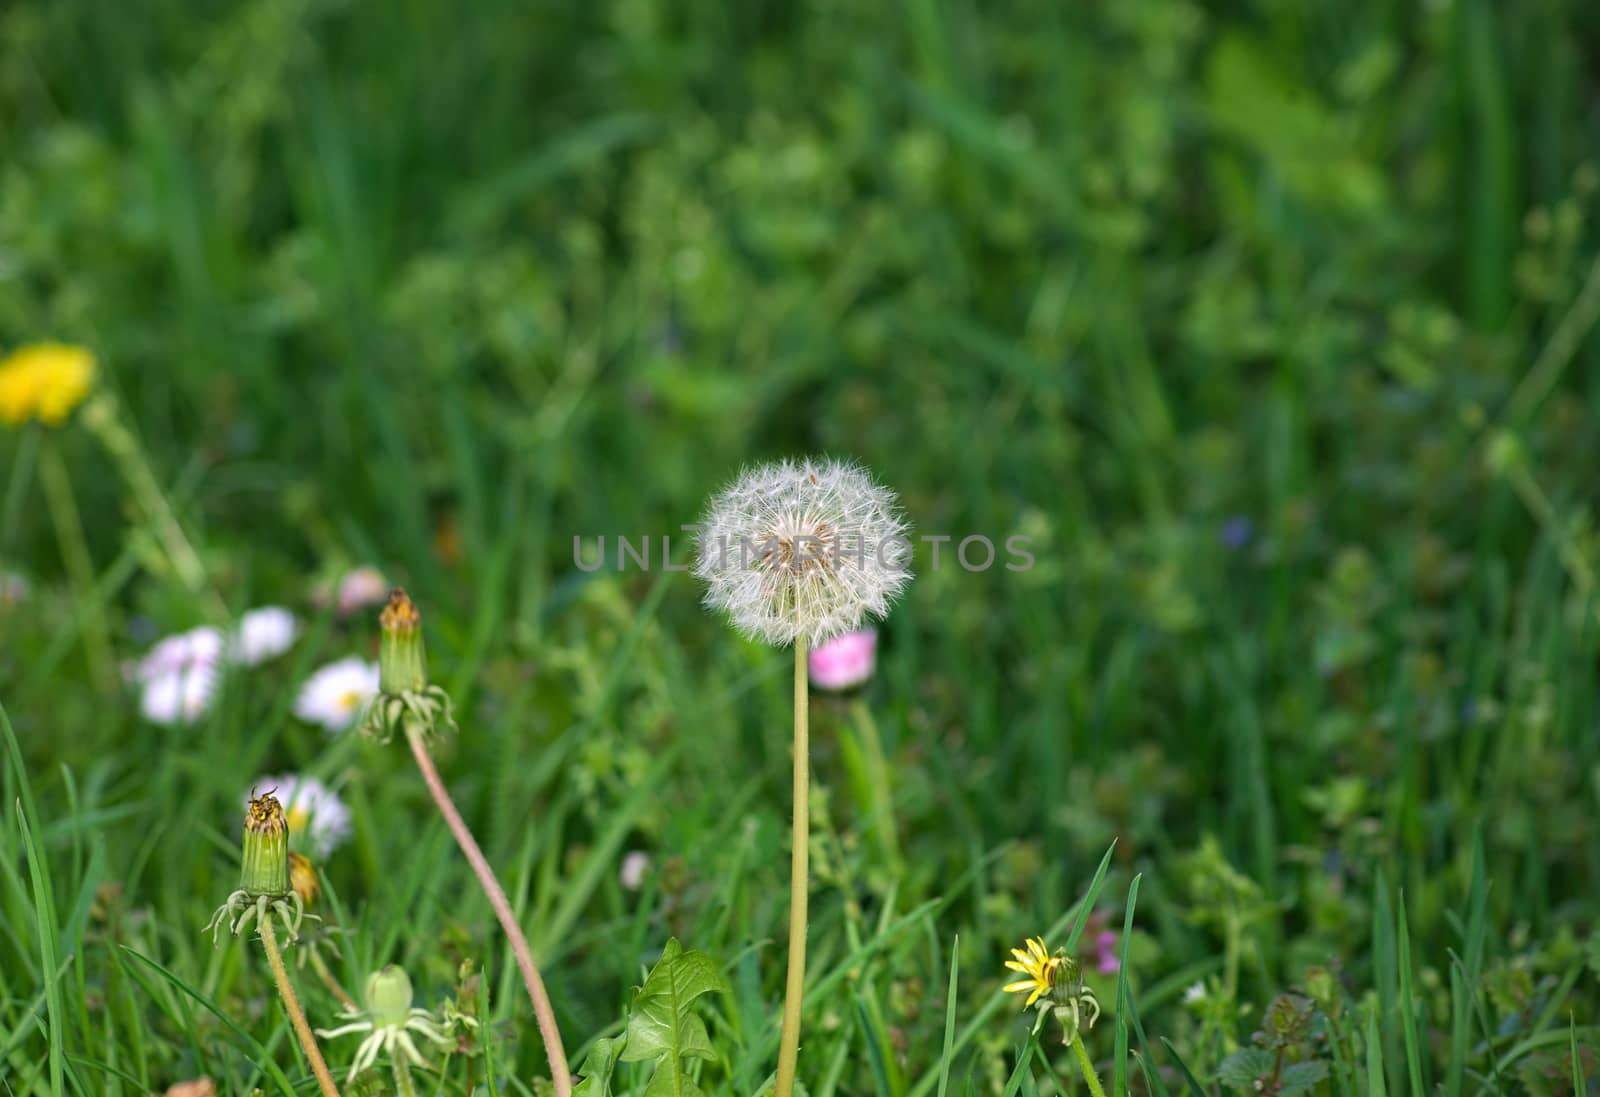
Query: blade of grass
[[1119, 1066], [1409, 1003], [948, 1051], [259, 1053]]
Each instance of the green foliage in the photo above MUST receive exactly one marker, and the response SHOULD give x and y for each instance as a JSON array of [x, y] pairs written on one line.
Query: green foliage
[[1272, 325], [663, 1027]]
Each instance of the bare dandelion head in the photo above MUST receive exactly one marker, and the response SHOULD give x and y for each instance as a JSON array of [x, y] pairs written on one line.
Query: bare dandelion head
[[802, 550]]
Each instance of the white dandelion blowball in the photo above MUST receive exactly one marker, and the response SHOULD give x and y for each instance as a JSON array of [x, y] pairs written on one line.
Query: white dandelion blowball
[[802, 550]]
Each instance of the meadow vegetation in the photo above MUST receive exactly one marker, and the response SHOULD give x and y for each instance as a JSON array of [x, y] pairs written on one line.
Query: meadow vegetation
[[1271, 326]]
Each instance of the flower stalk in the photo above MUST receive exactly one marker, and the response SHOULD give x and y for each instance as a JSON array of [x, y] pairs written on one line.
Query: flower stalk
[[297, 1016], [407, 702], [799, 880], [800, 553]]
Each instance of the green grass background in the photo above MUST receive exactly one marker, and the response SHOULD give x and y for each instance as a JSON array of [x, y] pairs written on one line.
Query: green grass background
[[1270, 323]]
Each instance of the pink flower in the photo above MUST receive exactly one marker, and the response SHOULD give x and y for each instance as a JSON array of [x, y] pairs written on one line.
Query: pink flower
[[1105, 953], [357, 588], [845, 661]]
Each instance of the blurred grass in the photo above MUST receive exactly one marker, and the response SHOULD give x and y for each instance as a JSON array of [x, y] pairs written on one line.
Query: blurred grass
[[1221, 305]]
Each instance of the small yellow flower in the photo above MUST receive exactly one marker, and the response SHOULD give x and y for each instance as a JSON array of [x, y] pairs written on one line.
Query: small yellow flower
[[1039, 967], [303, 878], [44, 381]]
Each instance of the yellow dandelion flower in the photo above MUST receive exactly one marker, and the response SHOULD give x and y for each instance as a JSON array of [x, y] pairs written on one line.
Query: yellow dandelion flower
[[303, 878], [44, 381], [1038, 965]]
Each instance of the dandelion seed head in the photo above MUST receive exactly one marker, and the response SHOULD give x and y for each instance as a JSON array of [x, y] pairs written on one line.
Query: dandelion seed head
[[802, 550]]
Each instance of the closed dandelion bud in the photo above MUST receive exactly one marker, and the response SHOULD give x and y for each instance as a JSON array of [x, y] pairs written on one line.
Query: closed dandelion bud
[[303, 878], [402, 666], [265, 867], [389, 995], [405, 701]]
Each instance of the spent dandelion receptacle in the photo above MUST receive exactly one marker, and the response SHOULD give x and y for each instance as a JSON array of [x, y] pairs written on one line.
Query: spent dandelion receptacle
[[388, 1023], [799, 553], [318, 818], [266, 896]]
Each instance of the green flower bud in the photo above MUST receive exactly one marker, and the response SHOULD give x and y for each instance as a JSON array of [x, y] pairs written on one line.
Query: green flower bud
[[265, 866], [402, 664], [388, 996]]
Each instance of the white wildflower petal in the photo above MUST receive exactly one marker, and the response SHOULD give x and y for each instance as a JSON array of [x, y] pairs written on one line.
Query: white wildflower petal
[[263, 634], [315, 812], [635, 866], [199, 647], [802, 550], [179, 696], [335, 695]]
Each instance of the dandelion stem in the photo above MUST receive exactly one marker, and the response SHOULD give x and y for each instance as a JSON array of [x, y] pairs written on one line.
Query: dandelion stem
[[402, 1078], [64, 516], [799, 881], [321, 967], [502, 909], [291, 1005], [1085, 1067]]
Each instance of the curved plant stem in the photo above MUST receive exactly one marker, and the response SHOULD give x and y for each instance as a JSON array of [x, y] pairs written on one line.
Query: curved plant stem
[[402, 1078], [502, 909], [1086, 1068], [321, 967], [799, 882], [291, 1005]]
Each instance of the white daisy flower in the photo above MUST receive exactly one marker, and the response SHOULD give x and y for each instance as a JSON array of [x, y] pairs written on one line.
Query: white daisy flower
[[336, 695], [199, 647], [263, 634], [635, 866], [179, 696], [802, 550], [315, 813]]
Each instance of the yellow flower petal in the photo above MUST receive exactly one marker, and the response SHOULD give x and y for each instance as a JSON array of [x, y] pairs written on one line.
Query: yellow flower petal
[[45, 381], [1019, 985], [1014, 966], [1034, 997]]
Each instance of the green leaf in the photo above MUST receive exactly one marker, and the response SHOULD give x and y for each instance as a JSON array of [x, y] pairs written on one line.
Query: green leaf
[[1241, 1069], [663, 1025], [666, 1082], [597, 1068], [1301, 1077]]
